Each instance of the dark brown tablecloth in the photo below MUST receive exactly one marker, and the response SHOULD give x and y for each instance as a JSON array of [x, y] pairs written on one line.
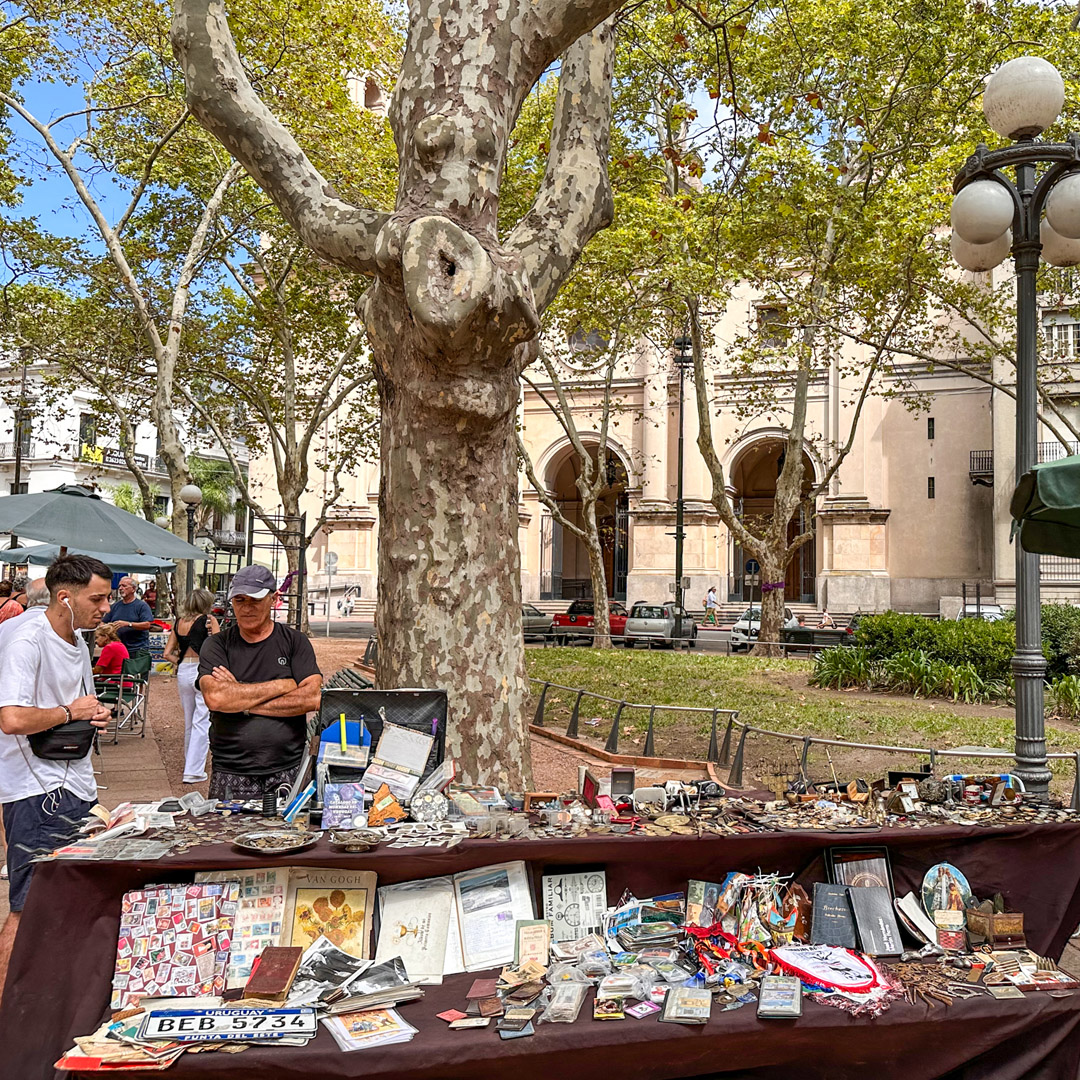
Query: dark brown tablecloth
[[63, 961]]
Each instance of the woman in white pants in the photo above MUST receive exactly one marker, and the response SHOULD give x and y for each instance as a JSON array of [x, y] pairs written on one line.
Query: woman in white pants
[[189, 632]]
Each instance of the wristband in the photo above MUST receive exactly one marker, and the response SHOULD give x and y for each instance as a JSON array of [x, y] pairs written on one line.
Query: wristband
[[67, 713]]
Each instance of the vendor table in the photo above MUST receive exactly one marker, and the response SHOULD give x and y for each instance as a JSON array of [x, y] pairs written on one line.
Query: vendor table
[[58, 983]]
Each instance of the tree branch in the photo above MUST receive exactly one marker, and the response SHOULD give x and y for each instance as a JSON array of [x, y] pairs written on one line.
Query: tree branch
[[222, 99], [574, 201]]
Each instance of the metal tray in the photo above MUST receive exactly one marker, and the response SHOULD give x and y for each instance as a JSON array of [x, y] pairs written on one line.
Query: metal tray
[[258, 841]]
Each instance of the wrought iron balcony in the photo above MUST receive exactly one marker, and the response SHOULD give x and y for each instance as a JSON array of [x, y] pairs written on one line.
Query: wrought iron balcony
[[981, 467]]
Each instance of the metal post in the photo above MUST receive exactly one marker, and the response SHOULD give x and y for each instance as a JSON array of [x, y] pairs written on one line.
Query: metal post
[[572, 727], [725, 748], [679, 503], [329, 595], [714, 750], [1075, 802], [538, 719], [190, 540], [650, 750], [1028, 663], [735, 776], [612, 744]]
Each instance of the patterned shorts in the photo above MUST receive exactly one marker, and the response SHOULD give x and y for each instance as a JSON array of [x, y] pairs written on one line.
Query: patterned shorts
[[238, 786]]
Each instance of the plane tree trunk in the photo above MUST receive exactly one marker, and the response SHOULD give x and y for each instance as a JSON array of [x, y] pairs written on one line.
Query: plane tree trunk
[[452, 316]]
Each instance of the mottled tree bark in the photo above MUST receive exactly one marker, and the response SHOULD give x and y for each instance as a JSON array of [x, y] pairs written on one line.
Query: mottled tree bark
[[452, 316]]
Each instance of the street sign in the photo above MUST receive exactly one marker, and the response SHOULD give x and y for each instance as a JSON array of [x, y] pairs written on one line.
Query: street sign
[[331, 562], [686, 583], [753, 566]]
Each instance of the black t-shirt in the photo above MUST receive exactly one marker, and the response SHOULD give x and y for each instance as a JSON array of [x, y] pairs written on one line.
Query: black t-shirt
[[247, 742]]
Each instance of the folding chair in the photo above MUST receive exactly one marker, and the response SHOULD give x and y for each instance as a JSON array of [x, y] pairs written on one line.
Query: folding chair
[[127, 695]]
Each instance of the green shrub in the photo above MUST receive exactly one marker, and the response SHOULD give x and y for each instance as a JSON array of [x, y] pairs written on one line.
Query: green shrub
[[1061, 639], [986, 646], [842, 666], [1063, 697]]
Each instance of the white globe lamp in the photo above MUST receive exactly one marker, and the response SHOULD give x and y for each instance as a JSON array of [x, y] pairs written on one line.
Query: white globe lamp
[[1058, 250], [981, 257], [1063, 207], [981, 212], [1023, 97]]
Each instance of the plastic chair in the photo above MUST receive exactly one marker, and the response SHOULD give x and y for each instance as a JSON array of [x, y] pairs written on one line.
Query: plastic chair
[[127, 694]]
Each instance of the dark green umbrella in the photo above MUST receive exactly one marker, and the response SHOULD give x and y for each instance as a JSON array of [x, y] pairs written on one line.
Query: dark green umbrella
[[1046, 508], [75, 517], [46, 555]]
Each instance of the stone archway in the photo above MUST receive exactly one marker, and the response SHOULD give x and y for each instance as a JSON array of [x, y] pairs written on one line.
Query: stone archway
[[752, 477], [564, 561]]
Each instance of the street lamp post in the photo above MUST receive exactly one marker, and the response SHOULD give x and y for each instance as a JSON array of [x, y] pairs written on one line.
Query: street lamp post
[[683, 359], [993, 216], [191, 497]]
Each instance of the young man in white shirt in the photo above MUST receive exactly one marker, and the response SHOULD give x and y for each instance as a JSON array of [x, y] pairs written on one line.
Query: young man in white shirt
[[45, 681]]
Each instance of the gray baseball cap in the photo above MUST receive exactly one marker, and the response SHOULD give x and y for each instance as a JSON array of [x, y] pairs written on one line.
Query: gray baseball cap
[[252, 581]]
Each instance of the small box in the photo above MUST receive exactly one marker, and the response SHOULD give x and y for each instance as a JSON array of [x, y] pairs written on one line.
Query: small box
[[622, 780]]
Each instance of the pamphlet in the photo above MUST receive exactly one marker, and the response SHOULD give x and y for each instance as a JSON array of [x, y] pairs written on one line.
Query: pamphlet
[[490, 901], [574, 903], [414, 923], [343, 806]]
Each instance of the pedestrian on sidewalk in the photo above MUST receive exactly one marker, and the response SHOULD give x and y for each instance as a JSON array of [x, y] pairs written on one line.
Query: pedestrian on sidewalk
[[133, 618], [46, 682], [188, 634], [260, 679], [712, 608]]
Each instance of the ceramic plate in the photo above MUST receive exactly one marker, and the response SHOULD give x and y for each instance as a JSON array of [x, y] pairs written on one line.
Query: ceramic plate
[[944, 888]]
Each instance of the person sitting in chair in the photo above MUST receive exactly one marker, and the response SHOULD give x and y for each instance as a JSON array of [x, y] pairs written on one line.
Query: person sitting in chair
[[110, 660]]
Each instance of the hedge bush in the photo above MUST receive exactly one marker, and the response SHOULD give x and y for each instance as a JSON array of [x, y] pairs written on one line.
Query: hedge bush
[[986, 646]]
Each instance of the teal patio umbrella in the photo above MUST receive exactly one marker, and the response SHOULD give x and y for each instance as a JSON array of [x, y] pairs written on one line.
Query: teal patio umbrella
[[74, 517], [1046, 508], [46, 555]]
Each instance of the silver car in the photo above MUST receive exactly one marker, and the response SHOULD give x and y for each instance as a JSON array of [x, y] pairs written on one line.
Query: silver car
[[655, 624], [534, 623]]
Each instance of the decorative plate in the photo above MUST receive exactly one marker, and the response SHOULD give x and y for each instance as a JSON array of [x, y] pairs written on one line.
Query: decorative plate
[[276, 841], [945, 889], [429, 806]]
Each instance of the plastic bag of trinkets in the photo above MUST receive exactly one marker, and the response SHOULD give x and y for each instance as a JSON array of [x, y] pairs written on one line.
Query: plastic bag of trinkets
[[566, 1001]]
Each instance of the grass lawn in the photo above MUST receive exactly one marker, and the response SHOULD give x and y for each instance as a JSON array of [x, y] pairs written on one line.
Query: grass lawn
[[772, 694]]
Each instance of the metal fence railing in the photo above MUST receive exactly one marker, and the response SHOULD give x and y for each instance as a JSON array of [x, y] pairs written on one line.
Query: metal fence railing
[[719, 752]]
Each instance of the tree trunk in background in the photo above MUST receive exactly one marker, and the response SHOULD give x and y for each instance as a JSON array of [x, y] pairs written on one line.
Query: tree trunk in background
[[601, 612], [772, 606]]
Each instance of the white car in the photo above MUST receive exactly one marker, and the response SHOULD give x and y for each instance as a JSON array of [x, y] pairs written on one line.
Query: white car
[[745, 631], [986, 612]]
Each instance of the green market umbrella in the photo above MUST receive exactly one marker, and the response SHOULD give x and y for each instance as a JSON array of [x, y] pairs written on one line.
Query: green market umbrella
[[46, 554], [1046, 508], [75, 517]]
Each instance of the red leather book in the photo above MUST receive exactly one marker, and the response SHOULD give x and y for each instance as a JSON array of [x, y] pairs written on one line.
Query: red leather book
[[273, 973]]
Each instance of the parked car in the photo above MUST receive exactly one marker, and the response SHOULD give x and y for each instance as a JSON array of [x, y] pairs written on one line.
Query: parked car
[[655, 624], [745, 631], [986, 612], [577, 621], [534, 623]]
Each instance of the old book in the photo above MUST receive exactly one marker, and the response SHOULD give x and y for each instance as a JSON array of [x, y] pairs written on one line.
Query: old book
[[274, 972], [875, 920], [832, 922]]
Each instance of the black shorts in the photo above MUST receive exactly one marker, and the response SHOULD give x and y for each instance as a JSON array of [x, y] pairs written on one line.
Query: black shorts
[[37, 823]]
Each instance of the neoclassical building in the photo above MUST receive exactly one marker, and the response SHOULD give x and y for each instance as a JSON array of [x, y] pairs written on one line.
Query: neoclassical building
[[917, 510]]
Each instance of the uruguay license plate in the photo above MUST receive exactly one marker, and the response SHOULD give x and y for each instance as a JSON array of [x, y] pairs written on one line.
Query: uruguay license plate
[[197, 1025]]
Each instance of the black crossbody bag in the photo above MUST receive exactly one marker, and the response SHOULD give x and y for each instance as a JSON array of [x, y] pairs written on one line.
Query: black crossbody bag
[[65, 742]]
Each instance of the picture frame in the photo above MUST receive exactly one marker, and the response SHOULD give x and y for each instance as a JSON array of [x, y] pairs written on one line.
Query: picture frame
[[860, 866]]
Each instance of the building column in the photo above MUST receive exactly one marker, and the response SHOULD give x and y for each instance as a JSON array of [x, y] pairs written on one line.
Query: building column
[[654, 432]]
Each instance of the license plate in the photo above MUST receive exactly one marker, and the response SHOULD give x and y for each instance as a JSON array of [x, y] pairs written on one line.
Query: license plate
[[196, 1025]]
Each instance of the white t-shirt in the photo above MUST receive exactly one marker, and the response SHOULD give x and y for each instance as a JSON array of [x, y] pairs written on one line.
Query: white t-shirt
[[38, 668], [8, 625]]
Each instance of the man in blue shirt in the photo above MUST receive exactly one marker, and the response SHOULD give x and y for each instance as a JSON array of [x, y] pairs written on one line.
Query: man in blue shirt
[[133, 618]]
